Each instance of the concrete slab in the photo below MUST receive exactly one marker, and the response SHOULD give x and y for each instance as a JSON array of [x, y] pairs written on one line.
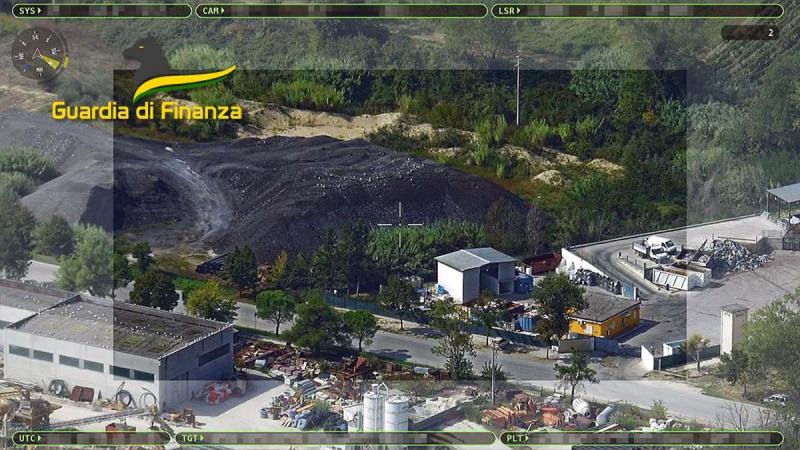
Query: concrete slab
[[752, 289]]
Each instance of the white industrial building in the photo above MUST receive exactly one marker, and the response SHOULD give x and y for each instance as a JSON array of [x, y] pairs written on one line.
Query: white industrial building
[[464, 274], [106, 345]]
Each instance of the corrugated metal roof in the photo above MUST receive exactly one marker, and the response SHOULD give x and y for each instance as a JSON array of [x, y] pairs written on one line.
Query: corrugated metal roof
[[118, 326], [473, 258], [790, 193]]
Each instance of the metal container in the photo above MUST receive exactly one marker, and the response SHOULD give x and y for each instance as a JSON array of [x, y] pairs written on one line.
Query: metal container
[[374, 406], [396, 413]]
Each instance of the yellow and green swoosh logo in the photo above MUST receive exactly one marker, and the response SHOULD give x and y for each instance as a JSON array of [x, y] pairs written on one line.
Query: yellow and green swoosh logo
[[165, 83]]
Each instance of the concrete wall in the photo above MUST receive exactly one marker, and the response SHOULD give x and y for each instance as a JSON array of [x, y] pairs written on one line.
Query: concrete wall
[[176, 376], [572, 261], [452, 280], [505, 271], [43, 372], [732, 328], [181, 372], [648, 359]]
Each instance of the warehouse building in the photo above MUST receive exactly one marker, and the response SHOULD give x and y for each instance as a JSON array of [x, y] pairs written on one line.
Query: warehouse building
[[464, 274], [101, 344], [605, 316]]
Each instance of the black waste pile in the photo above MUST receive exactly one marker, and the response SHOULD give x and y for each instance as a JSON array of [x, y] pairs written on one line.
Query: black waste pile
[[728, 256], [588, 278]]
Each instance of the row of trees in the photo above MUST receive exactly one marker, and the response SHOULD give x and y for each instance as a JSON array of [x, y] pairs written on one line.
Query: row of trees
[[317, 325]]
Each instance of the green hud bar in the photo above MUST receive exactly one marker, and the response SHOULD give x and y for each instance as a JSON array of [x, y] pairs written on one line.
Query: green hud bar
[[83, 439], [101, 11], [638, 11], [342, 11], [285, 439], [644, 438]]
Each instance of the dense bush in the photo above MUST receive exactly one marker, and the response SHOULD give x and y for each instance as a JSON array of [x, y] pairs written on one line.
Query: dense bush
[[28, 162], [17, 183], [305, 94]]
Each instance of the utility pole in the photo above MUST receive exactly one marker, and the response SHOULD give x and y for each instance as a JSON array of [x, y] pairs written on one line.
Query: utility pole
[[494, 368], [518, 66]]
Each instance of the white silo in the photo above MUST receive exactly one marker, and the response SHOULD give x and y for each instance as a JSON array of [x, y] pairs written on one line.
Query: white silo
[[374, 405], [396, 413]]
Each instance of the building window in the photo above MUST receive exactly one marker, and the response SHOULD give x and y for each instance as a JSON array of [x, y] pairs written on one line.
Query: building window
[[121, 372], [93, 366], [19, 351], [69, 361], [207, 357], [42, 356], [143, 376]]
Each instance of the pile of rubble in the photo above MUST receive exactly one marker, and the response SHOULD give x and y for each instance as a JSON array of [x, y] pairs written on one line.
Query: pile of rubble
[[525, 411], [588, 278], [723, 256]]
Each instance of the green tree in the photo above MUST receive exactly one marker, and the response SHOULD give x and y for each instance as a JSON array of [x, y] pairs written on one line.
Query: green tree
[[488, 312], [210, 302], [121, 274], [16, 228], [143, 254], [399, 296], [737, 368], [505, 226], [89, 267], [778, 322], [694, 346], [155, 289], [297, 277], [277, 306], [351, 248], [54, 237], [317, 326], [555, 297], [361, 325], [534, 229], [576, 373], [279, 275], [456, 345], [327, 269], [241, 269]]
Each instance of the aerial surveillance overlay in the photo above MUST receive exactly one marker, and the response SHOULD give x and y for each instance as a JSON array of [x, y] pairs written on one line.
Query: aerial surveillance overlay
[[391, 226]]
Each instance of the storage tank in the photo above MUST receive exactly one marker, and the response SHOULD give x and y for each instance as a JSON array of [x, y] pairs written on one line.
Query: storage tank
[[374, 405], [581, 407], [605, 416], [396, 413]]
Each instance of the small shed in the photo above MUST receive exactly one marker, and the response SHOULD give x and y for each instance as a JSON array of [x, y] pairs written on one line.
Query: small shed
[[784, 200]]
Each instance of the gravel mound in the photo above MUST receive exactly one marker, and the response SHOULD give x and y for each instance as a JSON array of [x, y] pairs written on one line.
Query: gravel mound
[[281, 192], [82, 156]]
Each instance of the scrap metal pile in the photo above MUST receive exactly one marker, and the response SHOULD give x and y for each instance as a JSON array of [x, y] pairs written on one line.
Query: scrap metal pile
[[724, 256], [525, 411], [588, 278]]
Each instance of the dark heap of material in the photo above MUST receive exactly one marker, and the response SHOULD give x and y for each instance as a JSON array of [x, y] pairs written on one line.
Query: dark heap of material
[[282, 193]]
